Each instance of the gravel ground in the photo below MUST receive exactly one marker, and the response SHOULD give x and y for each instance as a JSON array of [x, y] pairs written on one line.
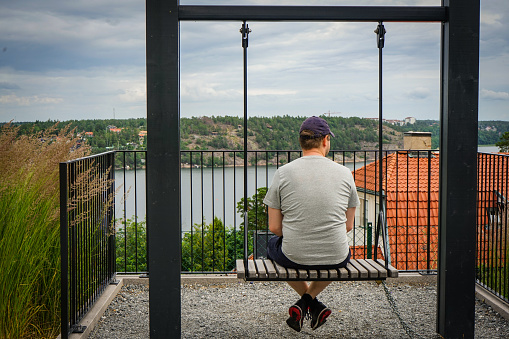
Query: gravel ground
[[259, 310]]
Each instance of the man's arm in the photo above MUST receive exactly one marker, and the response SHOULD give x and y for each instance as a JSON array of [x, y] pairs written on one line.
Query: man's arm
[[350, 216], [276, 221]]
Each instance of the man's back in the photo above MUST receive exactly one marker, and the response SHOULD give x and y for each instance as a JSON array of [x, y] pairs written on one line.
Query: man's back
[[313, 194]]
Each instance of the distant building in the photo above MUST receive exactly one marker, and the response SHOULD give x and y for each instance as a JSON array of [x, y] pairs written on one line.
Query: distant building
[[409, 120], [395, 122], [89, 134], [141, 136], [115, 130]]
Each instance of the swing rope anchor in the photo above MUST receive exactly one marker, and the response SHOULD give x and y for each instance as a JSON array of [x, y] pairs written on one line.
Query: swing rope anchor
[[380, 35], [245, 30]]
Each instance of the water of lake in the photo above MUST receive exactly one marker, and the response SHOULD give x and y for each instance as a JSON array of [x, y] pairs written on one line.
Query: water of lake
[[488, 149], [211, 192]]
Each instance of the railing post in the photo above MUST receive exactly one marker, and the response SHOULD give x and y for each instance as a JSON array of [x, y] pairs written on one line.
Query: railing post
[[112, 262], [64, 281]]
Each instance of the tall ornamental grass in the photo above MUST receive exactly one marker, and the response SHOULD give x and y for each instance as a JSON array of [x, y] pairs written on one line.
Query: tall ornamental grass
[[29, 230]]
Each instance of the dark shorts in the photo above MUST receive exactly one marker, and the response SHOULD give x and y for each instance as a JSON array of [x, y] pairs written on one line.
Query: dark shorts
[[275, 252]]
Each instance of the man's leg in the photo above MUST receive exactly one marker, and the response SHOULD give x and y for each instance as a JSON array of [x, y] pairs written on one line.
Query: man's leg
[[316, 287], [319, 312], [299, 310], [300, 287], [312, 289]]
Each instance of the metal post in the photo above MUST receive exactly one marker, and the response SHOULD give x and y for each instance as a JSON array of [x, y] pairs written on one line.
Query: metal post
[[458, 169], [163, 170], [64, 280], [369, 243]]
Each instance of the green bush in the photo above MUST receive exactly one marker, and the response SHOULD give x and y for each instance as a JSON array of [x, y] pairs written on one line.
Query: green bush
[[213, 247], [131, 246]]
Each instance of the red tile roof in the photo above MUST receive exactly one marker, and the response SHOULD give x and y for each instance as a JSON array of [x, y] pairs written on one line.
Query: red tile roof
[[360, 252], [406, 184]]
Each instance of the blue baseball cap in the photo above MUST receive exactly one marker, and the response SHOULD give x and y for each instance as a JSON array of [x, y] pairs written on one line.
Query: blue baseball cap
[[316, 125]]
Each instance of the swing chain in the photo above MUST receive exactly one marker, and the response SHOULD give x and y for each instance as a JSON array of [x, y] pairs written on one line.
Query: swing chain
[[411, 333], [245, 30]]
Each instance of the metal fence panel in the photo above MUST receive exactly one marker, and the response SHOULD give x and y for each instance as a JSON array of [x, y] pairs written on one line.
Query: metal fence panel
[[87, 235], [492, 224]]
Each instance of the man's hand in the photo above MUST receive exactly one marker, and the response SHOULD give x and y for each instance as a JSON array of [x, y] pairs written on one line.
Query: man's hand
[[276, 221]]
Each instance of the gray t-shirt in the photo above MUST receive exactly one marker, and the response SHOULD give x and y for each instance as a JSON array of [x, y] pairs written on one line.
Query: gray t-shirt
[[313, 194]]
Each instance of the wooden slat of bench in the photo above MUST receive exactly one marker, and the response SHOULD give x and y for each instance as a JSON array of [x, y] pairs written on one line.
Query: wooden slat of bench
[[313, 274], [323, 274], [343, 273], [392, 272], [271, 270], [372, 272], [281, 271], [241, 270], [260, 267], [251, 269], [333, 274], [353, 273], [356, 270], [292, 273], [382, 272], [303, 274]]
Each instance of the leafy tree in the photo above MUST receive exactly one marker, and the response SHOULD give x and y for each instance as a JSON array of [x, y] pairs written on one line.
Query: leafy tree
[[503, 144], [204, 249], [256, 210], [131, 246]]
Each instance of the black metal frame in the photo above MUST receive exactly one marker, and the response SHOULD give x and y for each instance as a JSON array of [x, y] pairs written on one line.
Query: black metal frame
[[458, 169], [459, 108]]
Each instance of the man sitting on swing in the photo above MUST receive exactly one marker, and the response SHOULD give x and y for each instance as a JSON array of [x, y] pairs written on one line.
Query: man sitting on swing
[[311, 206]]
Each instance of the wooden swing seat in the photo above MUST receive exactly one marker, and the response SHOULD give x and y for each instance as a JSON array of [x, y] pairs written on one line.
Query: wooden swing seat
[[357, 269]]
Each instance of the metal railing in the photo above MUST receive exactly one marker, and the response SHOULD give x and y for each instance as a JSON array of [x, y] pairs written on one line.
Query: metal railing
[[212, 184], [130, 206], [492, 224], [212, 189], [212, 200], [86, 235]]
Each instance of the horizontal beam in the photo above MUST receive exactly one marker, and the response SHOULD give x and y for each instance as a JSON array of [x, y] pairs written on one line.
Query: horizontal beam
[[314, 13]]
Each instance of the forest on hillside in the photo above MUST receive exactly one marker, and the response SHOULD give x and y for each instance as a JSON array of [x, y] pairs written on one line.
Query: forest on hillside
[[277, 133], [489, 132], [264, 133]]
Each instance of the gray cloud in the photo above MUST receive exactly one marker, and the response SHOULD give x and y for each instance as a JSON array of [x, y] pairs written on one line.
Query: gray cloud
[[419, 93], [492, 95], [7, 85], [81, 59]]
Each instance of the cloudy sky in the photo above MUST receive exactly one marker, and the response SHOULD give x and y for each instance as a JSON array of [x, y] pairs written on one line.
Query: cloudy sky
[[85, 59]]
